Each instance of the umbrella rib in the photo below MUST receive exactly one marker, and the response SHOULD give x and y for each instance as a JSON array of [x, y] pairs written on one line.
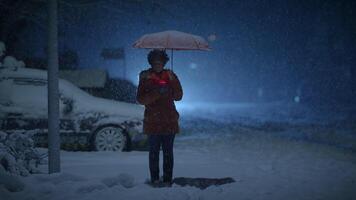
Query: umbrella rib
[[167, 40]]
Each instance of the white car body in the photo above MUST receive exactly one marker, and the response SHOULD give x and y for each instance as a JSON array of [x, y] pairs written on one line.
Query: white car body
[[23, 100]]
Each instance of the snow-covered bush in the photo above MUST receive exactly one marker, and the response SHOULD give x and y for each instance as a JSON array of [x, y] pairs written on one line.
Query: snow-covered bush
[[10, 61], [17, 153]]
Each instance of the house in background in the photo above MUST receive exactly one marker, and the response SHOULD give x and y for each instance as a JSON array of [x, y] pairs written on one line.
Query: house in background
[[92, 81]]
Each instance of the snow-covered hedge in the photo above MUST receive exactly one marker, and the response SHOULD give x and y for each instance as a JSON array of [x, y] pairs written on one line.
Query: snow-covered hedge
[[9, 61], [17, 153]]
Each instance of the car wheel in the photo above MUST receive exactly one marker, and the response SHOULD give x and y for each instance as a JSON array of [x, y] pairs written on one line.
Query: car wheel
[[110, 138]]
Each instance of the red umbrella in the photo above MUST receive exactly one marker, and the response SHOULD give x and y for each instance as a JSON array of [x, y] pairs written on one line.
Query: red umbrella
[[174, 40]]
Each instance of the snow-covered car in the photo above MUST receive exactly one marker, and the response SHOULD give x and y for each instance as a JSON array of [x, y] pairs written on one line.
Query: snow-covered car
[[86, 122]]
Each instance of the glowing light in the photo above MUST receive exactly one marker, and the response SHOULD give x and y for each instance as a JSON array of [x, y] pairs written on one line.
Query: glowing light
[[193, 65], [297, 99]]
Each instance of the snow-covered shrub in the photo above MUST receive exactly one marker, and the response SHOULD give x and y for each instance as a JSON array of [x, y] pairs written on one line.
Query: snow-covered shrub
[[17, 153], [10, 61], [3, 136]]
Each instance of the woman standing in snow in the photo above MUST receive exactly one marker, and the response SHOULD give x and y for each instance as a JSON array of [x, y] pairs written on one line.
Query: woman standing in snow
[[158, 89]]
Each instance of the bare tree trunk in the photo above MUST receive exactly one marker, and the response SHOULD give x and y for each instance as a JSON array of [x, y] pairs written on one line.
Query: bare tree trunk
[[53, 100]]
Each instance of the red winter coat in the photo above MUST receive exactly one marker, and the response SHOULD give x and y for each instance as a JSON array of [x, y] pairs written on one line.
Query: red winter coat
[[161, 116]]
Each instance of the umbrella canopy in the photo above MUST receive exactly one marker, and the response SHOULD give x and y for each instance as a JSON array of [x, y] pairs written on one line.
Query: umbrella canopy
[[174, 40]]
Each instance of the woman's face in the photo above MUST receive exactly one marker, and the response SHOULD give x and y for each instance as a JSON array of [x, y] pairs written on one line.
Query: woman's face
[[157, 64]]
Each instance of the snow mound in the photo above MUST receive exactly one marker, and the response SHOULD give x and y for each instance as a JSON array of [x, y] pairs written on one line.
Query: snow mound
[[125, 180], [10, 182], [58, 178], [91, 187]]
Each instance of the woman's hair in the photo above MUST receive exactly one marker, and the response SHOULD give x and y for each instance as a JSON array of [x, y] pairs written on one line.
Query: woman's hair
[[157, 54]]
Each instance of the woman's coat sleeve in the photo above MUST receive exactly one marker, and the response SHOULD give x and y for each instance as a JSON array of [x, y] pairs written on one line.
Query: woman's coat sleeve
[[145, 95], [177, 88]]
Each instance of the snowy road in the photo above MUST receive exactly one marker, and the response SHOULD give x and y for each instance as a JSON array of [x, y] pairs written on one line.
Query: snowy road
[[264, 166]]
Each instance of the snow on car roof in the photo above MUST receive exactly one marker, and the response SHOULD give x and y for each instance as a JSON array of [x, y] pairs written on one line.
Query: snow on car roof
[[21, 72], [85, 102], [87, 78]]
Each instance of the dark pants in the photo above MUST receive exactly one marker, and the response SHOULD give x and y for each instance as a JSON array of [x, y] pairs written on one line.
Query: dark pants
[[166, 141]]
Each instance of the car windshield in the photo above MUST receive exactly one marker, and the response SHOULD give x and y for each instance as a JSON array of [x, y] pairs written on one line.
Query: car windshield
[[68, 89]]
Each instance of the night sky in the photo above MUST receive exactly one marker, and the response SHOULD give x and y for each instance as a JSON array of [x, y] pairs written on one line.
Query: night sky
[[293, 51]]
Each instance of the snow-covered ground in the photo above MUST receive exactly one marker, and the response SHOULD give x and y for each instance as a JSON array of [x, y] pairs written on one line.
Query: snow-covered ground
[[264, 168], [263, 165]]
